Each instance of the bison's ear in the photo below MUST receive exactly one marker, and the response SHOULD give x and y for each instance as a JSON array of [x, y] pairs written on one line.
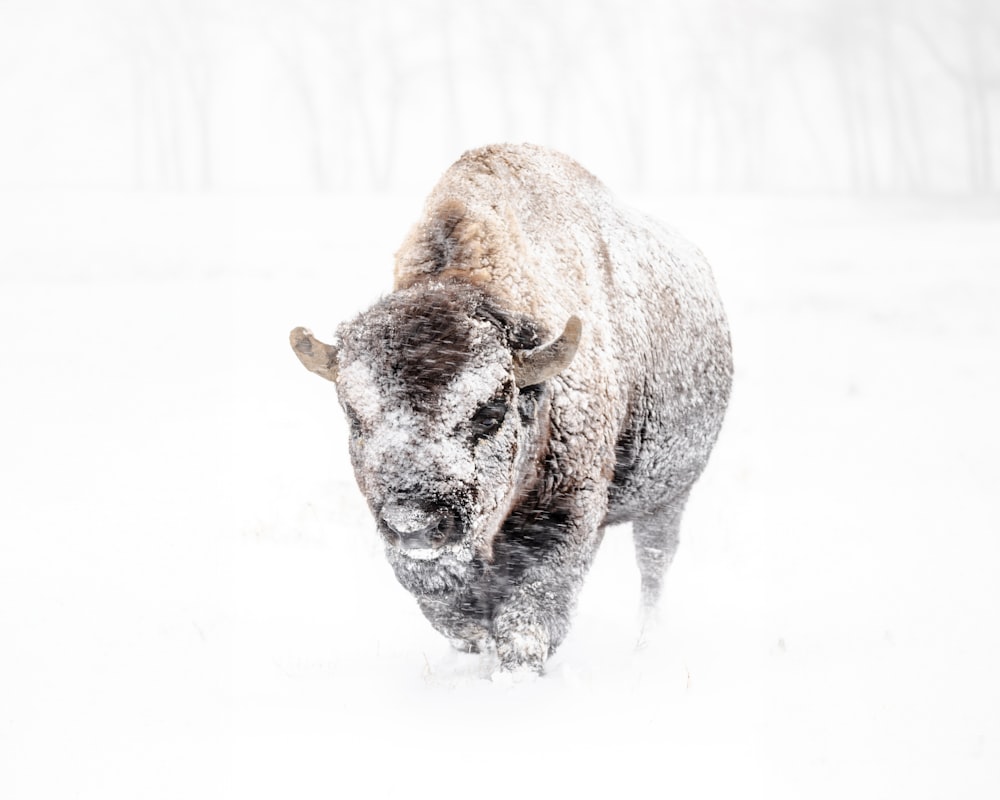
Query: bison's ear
[[547, 361], [314, 355]]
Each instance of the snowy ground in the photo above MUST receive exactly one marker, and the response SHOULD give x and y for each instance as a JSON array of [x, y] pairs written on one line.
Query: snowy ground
[[193, 602]]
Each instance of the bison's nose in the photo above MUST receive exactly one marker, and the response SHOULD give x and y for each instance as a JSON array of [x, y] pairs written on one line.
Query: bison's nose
[[415, 527]]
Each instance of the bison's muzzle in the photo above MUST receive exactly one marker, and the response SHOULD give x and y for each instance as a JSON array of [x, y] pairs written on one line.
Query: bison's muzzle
[[418, 528]]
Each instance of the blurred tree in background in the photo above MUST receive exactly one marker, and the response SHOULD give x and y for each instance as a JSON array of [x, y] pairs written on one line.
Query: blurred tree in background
[[863, 96]]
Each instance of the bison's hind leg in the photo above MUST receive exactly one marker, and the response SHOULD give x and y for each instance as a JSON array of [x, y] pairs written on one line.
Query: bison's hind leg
[[656, 536]]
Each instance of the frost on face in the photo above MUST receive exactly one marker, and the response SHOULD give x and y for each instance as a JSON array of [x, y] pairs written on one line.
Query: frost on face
[[361, 391], [435, 428]]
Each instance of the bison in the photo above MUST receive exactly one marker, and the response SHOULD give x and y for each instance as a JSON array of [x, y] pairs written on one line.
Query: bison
[[548, 364]]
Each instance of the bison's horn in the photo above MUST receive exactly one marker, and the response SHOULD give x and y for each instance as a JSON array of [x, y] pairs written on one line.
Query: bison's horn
[[542, 363], [315, 355]]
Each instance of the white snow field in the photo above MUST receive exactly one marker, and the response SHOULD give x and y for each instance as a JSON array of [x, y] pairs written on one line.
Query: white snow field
[[194, 603]]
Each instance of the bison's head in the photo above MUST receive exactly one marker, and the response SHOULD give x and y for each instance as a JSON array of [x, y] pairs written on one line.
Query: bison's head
[[444, 393]]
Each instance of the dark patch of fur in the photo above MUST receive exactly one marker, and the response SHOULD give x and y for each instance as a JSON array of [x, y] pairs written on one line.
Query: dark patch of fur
[[426, 345], [627, 449], [528, 400], [448, 239], [519, 332], [527, 534], [444, 241]]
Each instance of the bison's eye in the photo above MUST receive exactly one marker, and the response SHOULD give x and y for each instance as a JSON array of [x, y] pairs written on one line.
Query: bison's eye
[[488, 418]]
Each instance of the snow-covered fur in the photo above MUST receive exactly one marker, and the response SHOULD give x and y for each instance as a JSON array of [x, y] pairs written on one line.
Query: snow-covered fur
[[492, 434]]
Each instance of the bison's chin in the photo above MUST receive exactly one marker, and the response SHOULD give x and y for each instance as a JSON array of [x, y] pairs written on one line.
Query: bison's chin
[[437, 572]]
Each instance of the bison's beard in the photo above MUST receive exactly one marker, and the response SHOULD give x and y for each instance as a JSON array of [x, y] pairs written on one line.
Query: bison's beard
[[444, 574]]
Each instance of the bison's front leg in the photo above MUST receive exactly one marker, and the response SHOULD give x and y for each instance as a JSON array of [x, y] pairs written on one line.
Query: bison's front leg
[[546, 554], [460, 618]]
